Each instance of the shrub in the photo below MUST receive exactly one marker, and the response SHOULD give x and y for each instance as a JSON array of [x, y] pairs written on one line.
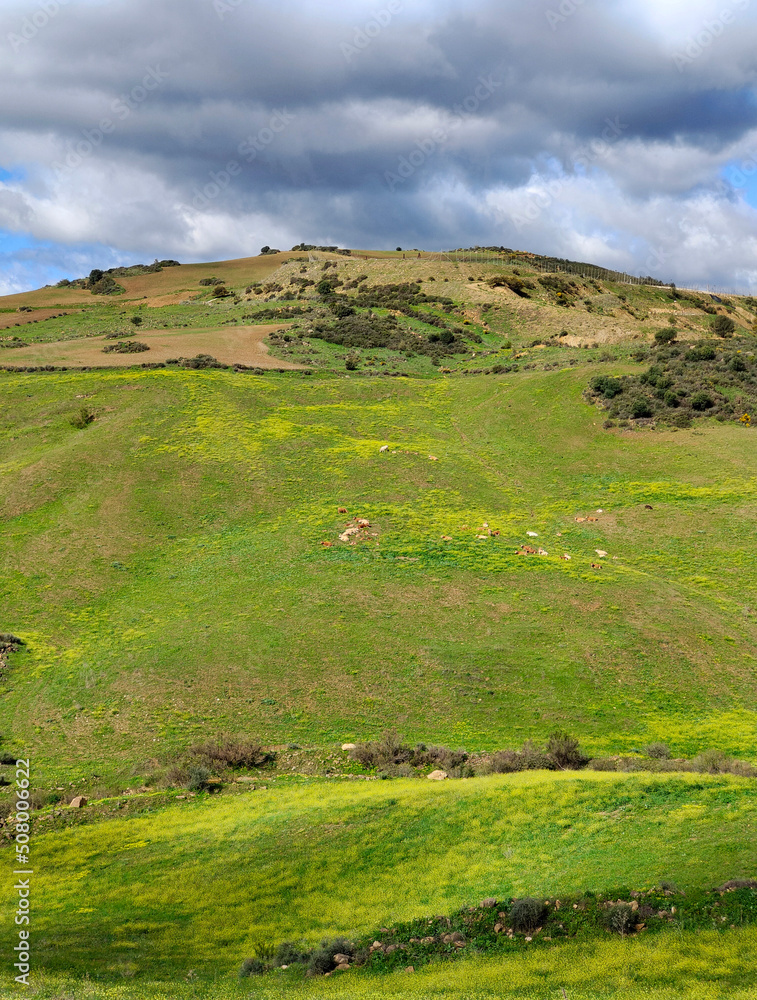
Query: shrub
[[606, 386], [351, 362], [723, 326], [527, 914], [321, 959], [702, 401], [220, 292], [640, 408], [621, 918], [565, 752], [232, 754], [82, 418], [657, 751], [682, 420], [252, 967], [666, 336], [603, 764], [126, 347], [701, 353], [290, 953], [136, 320], [197, 778]]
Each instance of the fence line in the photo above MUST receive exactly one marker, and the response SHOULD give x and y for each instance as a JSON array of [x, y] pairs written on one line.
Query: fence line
[[598, 273]]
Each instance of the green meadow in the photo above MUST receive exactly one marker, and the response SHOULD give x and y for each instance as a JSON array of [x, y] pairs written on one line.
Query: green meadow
[[196, 887], [176, 572], [165, 566]]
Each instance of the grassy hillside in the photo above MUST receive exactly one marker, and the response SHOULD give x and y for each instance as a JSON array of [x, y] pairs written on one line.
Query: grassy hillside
[[166, 568], [199, 886], [174, 567]]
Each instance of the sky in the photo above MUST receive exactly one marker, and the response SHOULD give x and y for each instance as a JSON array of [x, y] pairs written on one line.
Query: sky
[[617, 132]]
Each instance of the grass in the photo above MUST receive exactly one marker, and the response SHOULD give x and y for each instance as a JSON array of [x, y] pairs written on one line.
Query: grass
[[196, 885], [161, 561], [166, 567]]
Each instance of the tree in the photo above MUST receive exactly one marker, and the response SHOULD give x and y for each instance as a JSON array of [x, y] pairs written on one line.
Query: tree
[[723, 326]]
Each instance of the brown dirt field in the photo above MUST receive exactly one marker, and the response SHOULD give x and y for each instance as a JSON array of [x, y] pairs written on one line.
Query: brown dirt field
[[230, 345], [170, 281], [9, 320]]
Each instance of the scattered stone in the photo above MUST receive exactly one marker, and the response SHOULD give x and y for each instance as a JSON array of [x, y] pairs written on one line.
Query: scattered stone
[[341, 959], [437, 776], [245, 781], [349, 746], [428, 940], [498, 928], [78, 803], [488, 904], [410, 968], [390, 950]]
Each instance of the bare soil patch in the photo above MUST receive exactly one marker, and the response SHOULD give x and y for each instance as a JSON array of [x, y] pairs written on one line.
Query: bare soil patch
[[230, 345], [9, 320]]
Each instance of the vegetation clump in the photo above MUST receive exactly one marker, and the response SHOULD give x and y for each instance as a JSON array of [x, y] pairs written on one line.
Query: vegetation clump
[[82, 418], [126, 347], [682, 384]]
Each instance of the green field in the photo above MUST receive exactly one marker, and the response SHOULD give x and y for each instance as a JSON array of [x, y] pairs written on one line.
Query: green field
[[176, 574], [196, 887]]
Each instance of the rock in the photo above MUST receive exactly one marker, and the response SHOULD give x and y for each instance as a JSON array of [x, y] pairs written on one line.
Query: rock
[[428, 940], [532, 534], [601, 553], [437, 776], [341, 959], [245, 781], [349, 746], [498, 928], [488, 904], [391, 949], [78, 803], [410, 968]]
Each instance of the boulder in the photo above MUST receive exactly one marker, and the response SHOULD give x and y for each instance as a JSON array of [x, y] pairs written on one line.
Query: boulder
[[78, 803], [341, 959], [437, 776], [349, 746]]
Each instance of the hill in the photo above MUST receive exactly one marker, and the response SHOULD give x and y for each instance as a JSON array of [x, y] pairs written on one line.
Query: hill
[[184, 559]]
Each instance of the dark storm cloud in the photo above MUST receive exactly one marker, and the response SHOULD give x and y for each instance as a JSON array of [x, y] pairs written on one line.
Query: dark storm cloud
[[152, 125]]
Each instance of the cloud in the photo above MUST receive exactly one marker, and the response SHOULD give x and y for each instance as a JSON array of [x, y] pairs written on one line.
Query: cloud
[[120, 118]]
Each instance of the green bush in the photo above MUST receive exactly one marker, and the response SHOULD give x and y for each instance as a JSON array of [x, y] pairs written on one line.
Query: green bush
[[252, 967], [606, 386], [621, 919], [657, 751], [701, 401], [126, 347], [666, 336], [723, 326], [352, 361], [527, 914], [197, 778], [290, 953], [82, 418], [564, 750], [701, 353], [321, 959], [640, 408], [232, 754]]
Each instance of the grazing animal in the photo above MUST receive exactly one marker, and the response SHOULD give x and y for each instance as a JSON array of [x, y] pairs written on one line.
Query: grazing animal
[[343, 510], [595, 566], [648, 506]]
